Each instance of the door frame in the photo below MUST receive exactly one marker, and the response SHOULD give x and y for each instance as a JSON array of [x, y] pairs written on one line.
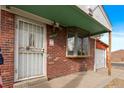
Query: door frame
[[16, 52]]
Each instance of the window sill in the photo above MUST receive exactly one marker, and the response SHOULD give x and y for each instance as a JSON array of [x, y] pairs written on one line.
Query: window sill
[[84, 56]]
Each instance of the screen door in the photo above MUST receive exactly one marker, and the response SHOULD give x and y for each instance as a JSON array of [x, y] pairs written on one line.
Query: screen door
[[30, 50]]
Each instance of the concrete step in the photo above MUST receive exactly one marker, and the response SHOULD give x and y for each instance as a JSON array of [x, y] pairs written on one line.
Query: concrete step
[[30, 82]]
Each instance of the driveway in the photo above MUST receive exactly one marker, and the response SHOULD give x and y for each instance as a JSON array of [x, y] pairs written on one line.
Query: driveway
[[87, 79], [118, 65]]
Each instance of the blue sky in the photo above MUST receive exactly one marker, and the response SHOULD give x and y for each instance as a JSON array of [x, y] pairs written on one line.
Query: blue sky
[[116, 16]]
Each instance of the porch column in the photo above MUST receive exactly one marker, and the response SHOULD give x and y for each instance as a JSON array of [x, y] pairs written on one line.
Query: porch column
[[109, 53]]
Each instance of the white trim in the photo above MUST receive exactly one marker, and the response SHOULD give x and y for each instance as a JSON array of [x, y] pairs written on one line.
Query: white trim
[[45, 51], [105, 15], [105, 59], [18, 18], [29, 78], [16, 51], [28, 15], [94, 55]]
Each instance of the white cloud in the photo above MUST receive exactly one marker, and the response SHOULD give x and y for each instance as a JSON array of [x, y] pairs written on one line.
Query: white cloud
[[117, 40]]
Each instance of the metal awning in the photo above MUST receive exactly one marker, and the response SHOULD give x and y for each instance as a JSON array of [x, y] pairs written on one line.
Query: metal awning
[[66, 15]]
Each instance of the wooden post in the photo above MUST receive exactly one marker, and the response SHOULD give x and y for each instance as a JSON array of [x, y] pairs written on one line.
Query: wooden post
[[109, 53]]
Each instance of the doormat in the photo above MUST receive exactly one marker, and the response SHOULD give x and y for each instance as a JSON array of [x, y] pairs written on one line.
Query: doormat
[[115, 83]]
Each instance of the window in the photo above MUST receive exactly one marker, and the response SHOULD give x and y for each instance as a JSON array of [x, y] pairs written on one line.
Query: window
[[71, 45], [77, 45]]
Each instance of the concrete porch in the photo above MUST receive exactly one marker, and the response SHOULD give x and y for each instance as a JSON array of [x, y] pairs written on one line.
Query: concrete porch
[[87, 79]]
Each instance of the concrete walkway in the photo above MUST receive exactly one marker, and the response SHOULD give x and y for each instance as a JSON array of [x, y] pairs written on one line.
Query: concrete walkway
[[88, 79]]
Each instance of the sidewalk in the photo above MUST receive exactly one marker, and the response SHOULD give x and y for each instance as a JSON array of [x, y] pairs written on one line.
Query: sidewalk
[[88, 79]]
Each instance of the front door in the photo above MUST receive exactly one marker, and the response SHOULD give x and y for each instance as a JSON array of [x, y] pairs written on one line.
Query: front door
[[29, 44]]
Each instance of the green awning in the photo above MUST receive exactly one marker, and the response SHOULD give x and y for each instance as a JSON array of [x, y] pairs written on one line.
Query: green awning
[[66, 15]]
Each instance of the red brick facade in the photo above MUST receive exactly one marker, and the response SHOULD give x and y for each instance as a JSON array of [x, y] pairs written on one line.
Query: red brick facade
[[7, 45], [57, 62], [101, 45]]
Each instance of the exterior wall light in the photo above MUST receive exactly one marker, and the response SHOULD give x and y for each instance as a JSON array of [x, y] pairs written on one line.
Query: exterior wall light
[[54, 33]]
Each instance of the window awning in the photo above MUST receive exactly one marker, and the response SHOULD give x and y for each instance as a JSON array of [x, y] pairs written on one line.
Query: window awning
[[66, 15]]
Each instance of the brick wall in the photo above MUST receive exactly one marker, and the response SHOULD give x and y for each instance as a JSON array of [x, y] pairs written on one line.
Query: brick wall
[[100, 45], [57, 62], [7, 46]]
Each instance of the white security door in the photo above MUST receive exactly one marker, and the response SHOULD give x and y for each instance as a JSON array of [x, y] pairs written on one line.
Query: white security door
[[100, 58], [30, 50]]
